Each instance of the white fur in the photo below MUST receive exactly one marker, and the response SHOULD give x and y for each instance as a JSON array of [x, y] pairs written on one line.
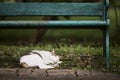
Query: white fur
[[46, 61]]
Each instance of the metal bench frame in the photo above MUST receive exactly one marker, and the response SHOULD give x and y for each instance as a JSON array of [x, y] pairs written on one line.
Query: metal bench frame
[[59, 9]]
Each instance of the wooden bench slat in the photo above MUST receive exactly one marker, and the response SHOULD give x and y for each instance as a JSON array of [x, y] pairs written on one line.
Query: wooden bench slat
[[53, 24], [50, 9]]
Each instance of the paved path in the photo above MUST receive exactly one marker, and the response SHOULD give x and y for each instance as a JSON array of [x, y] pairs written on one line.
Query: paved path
[[37, 74]]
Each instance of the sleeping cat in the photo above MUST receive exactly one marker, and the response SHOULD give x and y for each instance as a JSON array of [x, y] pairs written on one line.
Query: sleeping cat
[[40, 59]]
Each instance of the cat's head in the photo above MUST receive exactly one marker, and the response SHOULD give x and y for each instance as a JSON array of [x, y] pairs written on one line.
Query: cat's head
[[54, 58]]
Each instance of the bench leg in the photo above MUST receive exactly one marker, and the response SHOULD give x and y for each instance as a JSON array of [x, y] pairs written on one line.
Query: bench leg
[[106, 47]]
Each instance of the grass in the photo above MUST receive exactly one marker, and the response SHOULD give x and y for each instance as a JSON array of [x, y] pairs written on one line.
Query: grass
[[74, 56]]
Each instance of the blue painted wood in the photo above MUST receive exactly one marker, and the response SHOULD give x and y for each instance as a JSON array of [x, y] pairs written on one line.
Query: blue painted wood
[[51, 9], [53, 24]]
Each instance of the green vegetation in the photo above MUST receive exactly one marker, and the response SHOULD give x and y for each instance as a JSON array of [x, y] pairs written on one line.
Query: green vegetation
[[74, 56]]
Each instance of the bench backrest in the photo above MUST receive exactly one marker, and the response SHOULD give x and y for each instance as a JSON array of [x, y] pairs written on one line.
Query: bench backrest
[[52, 9]]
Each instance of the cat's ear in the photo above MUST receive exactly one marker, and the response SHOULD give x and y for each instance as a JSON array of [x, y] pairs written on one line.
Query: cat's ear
[[53, 52]]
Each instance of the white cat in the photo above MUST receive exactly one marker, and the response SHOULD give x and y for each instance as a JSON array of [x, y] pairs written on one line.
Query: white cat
[[41, 59]]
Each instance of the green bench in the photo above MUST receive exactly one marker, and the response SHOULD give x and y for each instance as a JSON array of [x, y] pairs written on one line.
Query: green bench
[[99, 9]]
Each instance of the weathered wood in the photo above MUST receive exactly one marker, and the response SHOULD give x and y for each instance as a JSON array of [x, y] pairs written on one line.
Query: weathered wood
[[51, 9], [53, 24]]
